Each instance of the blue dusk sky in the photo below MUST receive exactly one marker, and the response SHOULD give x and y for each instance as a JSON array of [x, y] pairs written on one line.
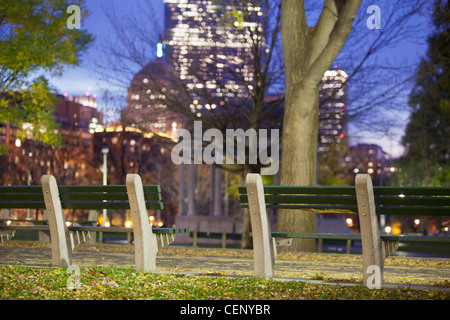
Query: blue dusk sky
[[84, 78]]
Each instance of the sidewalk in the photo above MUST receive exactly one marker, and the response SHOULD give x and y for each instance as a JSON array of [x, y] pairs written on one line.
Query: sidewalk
[[420, 273]]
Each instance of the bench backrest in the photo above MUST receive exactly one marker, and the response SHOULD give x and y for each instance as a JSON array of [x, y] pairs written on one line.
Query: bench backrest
[[78, 197], [429, 201], [309, 198]]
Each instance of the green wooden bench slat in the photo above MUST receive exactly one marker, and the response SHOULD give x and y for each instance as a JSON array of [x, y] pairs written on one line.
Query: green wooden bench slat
[[413, 211], [419, 191], [330, 209], [21, 197], [104, 196], [412, 238], [301, 199], [107, 205], [20, 189], [108, 188], [26, 227], [22, 204], [304, 190], [126, 230], [335, 236], [413, 201], [94, 205]]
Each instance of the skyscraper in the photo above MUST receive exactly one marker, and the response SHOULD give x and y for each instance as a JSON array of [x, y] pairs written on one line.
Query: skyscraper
[[333, 112], [210, 46]]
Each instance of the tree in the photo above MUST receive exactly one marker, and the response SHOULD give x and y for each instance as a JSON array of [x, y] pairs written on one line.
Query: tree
[[426, 138], [224, 87], [34, 38], [308, 53], [376, 85]]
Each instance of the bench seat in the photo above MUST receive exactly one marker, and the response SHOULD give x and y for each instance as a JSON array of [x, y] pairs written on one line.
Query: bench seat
[[53, 198], [362, 199]]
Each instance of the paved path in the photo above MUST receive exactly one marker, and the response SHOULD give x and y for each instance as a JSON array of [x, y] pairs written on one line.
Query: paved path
[[317, 267]]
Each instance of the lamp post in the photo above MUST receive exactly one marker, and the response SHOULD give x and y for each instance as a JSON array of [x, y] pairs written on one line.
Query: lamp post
[[30, 154], [105, 151]]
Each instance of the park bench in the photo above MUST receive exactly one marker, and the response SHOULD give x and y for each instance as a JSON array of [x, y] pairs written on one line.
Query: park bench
[[224, 236], [44, 236], [362, 199], [133, 196]]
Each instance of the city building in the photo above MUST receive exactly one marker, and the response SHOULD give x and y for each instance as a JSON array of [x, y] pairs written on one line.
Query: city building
[[210, 54], [333, 116], [371, 159], [27, 159]]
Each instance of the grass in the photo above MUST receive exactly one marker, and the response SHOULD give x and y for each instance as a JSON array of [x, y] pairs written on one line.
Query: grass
[[101, 283]]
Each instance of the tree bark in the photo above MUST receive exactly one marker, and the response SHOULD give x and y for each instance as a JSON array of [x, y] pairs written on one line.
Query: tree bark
[[308, 53]]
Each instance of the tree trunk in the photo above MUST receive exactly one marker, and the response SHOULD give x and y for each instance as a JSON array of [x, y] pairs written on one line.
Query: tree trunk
[[299, 166], [308, 53]]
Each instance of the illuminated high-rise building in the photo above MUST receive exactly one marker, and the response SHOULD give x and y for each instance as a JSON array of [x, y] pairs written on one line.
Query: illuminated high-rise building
[[333, 112], [211, 49]]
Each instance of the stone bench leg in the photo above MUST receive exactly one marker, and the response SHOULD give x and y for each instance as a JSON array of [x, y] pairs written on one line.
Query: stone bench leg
[[145, 242], [263, 244], [374, 250], [60, 240]]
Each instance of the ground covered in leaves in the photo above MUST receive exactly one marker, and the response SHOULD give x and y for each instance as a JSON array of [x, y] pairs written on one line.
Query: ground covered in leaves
[[220, 275], [92, 283]]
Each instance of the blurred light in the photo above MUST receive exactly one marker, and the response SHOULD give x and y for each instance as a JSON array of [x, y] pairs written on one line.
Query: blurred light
[[68, 223], [18, 143], [416, 222], [356, 170], [160, 50], [152, 218], [128, 224], [446, 229], [107, 224], [160, 224], [401, 195], [349, 222], [8, 222], [370, 170], [388, 229]]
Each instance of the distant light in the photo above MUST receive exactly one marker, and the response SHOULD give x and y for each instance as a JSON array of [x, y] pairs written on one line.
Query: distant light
[[152, 218], [356, 170], [94, 96], [401, 195], [446, 229], [160, 50], [416, 222], [65, 94], [349, 222], [68, 223], [341, 136], [388, 229], [18, 143], [87, 94], [107, 224], [128, 224]]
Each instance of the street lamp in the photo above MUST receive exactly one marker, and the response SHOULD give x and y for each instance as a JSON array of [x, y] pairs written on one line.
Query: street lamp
[[30, 154], [105, 151]]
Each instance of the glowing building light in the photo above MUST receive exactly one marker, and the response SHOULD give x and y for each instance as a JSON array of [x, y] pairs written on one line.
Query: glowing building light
[[160, 50]]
